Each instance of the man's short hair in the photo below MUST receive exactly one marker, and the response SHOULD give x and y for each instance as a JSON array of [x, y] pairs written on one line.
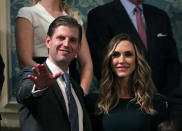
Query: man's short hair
[[65, 21]]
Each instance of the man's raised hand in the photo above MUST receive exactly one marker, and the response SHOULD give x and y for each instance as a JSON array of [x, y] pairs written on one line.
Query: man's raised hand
[[42, 77]]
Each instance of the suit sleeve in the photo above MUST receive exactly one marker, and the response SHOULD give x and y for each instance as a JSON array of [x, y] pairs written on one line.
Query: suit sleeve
[[1, 73], [159, 104], [175, 104], [98, 36], [24, 91]]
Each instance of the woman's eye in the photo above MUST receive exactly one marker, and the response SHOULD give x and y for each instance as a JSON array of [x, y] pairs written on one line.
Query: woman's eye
[[116, 54], [128, 53]]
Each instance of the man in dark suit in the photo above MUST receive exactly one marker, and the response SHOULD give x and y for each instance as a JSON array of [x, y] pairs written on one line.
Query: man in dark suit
[[45, 98], [119, 16], [1, 75]]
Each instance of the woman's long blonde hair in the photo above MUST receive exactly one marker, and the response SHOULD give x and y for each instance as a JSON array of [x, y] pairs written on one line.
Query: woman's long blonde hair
[[64, 6], [141, 89]]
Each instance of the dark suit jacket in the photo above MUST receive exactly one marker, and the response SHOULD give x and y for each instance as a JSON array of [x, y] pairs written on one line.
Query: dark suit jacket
[[46, 112], [175, 104], [104, 22], [1, 75]]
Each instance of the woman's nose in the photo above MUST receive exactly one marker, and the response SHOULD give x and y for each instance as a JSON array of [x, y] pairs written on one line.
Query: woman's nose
[[121, 59]]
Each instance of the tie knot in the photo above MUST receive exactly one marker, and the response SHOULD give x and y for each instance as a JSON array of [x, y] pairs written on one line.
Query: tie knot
[[66, 77], [137, 8]]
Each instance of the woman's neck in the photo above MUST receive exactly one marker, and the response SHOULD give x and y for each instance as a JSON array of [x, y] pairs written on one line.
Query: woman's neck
[[50, 5], [124, 85]]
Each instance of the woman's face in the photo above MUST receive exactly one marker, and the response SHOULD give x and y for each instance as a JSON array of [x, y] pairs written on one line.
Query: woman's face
[[123, 59]]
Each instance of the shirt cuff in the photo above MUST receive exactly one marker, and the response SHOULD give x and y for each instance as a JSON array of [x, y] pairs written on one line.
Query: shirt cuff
[[37, 93]]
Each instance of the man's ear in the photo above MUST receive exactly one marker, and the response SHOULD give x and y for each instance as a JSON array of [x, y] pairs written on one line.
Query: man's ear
[[79, 47], [47, 41]]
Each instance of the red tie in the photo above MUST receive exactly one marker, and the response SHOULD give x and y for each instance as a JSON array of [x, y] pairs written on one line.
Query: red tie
[[141, 26]]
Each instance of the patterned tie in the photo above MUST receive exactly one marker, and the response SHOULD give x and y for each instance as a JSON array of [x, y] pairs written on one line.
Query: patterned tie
[[141, 26], [73, 111]]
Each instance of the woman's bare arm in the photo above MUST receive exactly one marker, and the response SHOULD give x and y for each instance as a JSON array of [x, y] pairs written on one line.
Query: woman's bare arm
[[24, 42], [86, 66]]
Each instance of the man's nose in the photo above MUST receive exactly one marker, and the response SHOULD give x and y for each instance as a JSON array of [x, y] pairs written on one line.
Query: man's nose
[[66, 42]]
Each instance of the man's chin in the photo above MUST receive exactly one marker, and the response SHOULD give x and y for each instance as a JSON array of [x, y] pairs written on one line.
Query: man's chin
[[64, 60]]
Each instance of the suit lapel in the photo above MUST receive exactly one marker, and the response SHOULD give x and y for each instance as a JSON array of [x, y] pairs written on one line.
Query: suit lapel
[[148, 22], [77, 91], [57, 91], [80, 94], [123, 18]]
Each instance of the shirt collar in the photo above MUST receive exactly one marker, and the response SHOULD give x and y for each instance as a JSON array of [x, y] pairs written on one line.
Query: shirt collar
[[54, 68], [129, 6]]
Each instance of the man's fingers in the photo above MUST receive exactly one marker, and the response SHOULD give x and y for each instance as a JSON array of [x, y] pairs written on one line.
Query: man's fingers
[[55, 76], [33, 78], [35, 71], [42, 68], [42, 76]]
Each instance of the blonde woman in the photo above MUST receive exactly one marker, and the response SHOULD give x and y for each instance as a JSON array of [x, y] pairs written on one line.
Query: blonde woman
[[31, 28], [128, 99]]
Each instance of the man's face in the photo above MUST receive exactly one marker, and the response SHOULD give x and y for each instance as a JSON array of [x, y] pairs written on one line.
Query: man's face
[[137, 1], [63, 45]]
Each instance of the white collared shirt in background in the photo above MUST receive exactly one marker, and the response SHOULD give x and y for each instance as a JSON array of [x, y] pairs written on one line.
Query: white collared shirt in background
[[130, 9]]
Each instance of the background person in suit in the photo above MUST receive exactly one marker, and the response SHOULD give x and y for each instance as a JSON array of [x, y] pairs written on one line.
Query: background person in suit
[[1, 72], [43, 101], [1, 77], [119, 16]]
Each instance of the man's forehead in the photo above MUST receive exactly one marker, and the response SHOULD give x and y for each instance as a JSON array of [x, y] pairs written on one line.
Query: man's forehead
[[67, 26], [66, 29]]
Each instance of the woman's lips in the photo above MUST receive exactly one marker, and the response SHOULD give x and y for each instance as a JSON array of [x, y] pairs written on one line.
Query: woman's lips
[[123, 68]]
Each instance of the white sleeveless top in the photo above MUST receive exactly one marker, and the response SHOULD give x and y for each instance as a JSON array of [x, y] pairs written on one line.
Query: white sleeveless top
[[40, 20]]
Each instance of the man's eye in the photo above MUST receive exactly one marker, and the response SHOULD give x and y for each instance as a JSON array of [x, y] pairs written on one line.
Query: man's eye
[[72, 39], [128, 54], [61, 37], [116, 54]]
